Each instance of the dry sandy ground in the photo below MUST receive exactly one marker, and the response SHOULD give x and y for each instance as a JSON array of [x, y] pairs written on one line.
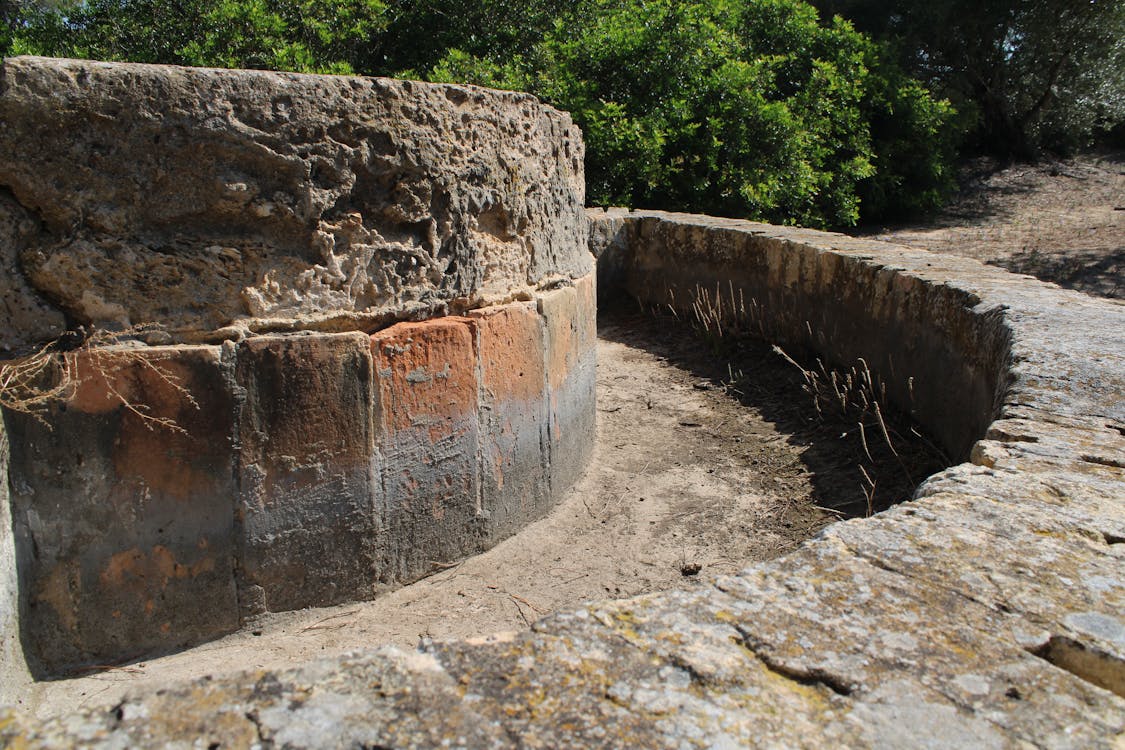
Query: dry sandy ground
[[1061, 221], [692, 479]]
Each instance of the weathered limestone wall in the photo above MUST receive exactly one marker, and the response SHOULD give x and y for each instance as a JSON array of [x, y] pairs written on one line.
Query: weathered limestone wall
[[820, 293], [986, 613], [355, 324], [220, 202], [293, 470]]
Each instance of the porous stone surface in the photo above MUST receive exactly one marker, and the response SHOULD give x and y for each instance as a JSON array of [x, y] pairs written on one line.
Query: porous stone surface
[[27, 317], [178, 491], [985, 613], [216, 202]]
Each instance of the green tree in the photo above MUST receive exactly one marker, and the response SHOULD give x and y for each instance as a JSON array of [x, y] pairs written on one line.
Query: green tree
[[422, 32], [300, 35], [748, 108], [1030, 73]]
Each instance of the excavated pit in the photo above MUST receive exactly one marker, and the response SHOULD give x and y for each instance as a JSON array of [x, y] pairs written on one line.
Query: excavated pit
[[696, 473], [364, 447]]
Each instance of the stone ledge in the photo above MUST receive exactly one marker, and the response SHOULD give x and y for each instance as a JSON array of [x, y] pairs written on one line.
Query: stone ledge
[[984, 613]]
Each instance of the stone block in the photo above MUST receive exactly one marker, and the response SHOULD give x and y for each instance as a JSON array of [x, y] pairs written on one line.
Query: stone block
[[570, 321], [308, 534], [428, 436], [513, 416], [26, 317], [122, 508], [274, 201]]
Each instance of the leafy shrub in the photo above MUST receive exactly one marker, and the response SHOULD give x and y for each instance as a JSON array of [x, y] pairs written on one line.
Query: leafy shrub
[[750, 108]]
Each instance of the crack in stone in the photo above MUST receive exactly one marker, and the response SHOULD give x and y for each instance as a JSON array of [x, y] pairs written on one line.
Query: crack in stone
[[1087, 663], [253, 718], [799, 673]]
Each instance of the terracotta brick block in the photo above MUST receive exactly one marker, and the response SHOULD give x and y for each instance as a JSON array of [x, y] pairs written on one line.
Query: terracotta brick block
[[307, 501], [513, 416], [427, 433], [122, 511], [570, 321], [586, 314], [559, 310]]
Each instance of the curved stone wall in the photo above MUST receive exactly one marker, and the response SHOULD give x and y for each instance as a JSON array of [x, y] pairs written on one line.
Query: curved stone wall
[[292, 471], [823, 294], [344, 335], [216, 203], [984, 613]]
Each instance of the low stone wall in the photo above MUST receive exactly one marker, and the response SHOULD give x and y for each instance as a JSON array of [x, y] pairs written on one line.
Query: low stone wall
[[987, 612], [180, 490], [326, 333], [822, 294]]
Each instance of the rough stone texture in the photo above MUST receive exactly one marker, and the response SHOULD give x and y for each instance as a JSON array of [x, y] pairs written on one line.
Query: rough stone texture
[[181, 206], [513, 415], [308, 489], [28, 318], [427, 433], [985, 613], [123, 526], [216, 201]]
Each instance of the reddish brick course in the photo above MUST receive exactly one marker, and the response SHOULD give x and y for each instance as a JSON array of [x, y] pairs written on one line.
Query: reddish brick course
[[307, 497], [586, 314], [183, 489], [511, 352], [427, 434], [513, 416], [570, 321], [559, 310], [128, 502]]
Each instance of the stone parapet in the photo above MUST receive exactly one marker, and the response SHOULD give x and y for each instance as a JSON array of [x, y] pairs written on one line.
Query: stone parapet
[[984, 613]]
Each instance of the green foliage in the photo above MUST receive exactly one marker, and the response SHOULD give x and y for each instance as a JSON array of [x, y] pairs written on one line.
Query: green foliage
[[1031, 74], [753, 108], [422, 32], [747, 109], [299, 35], [915, 139]]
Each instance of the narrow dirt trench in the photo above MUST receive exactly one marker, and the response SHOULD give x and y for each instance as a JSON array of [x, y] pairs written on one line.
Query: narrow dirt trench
[[691, 480]]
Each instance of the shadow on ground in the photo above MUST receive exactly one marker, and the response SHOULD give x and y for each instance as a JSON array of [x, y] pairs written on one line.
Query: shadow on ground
[[842, 459], [1091, 271]]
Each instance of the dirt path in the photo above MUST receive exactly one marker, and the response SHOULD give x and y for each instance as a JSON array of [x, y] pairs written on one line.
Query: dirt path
[[688, 483], [1061, 221]]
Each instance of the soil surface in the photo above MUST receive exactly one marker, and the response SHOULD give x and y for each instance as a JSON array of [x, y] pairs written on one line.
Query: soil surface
[[1058, 220], [708, 457]]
